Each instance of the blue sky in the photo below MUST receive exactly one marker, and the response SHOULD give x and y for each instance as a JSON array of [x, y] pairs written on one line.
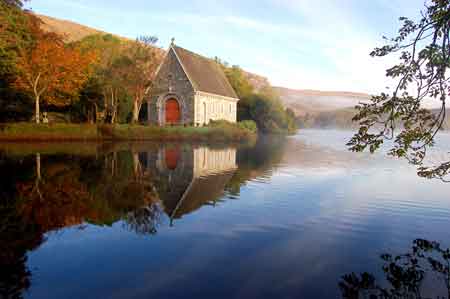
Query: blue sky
[[302, 44]]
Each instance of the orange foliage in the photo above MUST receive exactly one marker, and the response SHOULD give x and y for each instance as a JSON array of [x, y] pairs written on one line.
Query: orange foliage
[[140, 73], [51, 68]]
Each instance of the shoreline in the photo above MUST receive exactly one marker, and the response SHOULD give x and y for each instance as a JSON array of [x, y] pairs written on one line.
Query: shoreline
[[53, 133]]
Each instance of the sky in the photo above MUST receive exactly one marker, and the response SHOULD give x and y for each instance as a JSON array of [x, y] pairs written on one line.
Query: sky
[[299, 44]]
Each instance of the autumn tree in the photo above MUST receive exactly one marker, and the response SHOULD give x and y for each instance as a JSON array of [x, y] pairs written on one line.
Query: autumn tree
[[123, 74], [104, 88], [50, 68], [422, 73], [113, 86], [140, 63], [14, 35]]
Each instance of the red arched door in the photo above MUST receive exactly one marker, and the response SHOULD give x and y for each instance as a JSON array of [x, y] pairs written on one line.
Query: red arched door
[[173, 114]]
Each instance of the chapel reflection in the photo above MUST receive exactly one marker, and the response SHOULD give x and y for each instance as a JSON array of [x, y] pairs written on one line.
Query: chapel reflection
[[187, 178]]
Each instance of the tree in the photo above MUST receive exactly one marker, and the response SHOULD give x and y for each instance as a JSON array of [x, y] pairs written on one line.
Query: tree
[[424, 51], [17, 3], [140, 61], [112, 78], [240, 83], [15, 34], [105, 86], [51, 68], [264, 107]]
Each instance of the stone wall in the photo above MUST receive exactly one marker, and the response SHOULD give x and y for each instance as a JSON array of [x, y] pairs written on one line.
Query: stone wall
[[214, 107], [171, 82]]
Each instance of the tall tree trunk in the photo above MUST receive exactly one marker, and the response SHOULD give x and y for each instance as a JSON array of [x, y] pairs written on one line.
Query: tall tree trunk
[[37, 112], [106, 103], [136, 110], [37, 95], [113, 106]]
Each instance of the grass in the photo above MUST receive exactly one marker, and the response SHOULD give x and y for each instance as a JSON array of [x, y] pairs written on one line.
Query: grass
[[83, 132]]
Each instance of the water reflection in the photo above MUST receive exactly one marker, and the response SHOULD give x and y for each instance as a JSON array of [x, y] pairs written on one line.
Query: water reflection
[[423, 272], [282, 219], [137, 185]]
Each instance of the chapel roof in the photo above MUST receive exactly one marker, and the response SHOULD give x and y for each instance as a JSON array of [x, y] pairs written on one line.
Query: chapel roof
[[205, 74]]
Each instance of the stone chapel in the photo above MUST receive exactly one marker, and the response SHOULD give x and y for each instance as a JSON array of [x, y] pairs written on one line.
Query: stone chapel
[[190, 90]]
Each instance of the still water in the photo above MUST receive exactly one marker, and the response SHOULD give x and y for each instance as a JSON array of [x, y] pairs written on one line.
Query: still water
[[286, 218]]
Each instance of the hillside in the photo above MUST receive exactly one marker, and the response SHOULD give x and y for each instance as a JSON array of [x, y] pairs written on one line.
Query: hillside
[[71, 31], [313, 102]]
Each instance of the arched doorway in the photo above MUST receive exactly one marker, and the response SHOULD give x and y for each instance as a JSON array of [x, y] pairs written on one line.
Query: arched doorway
[[173, 113]]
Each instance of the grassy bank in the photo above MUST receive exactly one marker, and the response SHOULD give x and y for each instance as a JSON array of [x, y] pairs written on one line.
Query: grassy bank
[[82, 132]]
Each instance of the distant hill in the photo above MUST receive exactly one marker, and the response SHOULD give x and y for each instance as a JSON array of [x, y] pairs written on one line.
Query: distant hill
[[313, 102], [71, 31]]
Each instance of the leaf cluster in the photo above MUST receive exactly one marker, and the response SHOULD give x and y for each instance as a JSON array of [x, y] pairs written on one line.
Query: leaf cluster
[[423, 49]]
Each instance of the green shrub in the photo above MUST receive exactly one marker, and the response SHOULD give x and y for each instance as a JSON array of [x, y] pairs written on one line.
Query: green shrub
[[248, 125], [220, 123]]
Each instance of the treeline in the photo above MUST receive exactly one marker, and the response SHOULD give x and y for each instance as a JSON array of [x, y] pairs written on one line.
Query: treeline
[[100, 76], [334, 119], [262, 106], [343, 119]]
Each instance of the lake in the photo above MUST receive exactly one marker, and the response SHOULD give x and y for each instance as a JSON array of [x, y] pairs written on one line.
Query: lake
[[285, 218]]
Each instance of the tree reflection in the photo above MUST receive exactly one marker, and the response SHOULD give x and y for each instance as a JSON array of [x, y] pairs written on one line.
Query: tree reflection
[[46, 194], [144, 221], [16, 236], [421, 273]]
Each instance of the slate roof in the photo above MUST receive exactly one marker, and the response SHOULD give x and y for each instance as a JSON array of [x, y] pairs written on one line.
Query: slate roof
[[205, 74]]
